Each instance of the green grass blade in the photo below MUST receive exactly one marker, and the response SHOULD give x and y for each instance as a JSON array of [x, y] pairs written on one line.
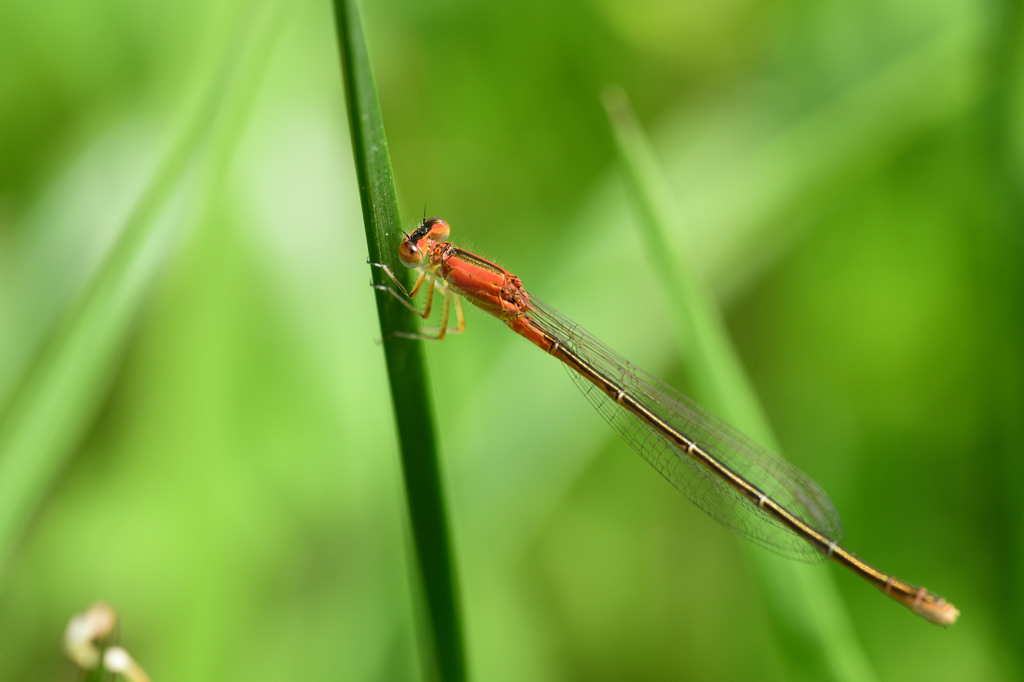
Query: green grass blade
[[59, 393], [809, 619], [999, 233], [406, 368]]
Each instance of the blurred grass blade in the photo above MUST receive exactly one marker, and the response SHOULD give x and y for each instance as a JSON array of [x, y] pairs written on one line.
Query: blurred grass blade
[[60, 392], [406, 369], [1001, 235], [810, 619]]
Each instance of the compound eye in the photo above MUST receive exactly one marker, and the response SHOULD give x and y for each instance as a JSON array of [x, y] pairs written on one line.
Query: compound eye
[[439, 229], [410, 254]]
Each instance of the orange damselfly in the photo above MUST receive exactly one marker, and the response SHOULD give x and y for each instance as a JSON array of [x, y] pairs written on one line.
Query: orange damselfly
[[739, 483]]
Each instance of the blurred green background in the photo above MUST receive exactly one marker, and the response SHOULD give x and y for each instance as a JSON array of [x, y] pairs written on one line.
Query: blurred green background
[[194, 424]]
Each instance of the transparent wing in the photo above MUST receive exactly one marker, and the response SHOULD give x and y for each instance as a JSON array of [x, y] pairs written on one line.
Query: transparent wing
[[774, 476]]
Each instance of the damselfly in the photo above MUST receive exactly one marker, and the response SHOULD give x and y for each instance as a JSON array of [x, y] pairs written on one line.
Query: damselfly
[[739, 483]]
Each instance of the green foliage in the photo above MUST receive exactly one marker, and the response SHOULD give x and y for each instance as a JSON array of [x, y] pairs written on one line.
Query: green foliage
[[214, 443]]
